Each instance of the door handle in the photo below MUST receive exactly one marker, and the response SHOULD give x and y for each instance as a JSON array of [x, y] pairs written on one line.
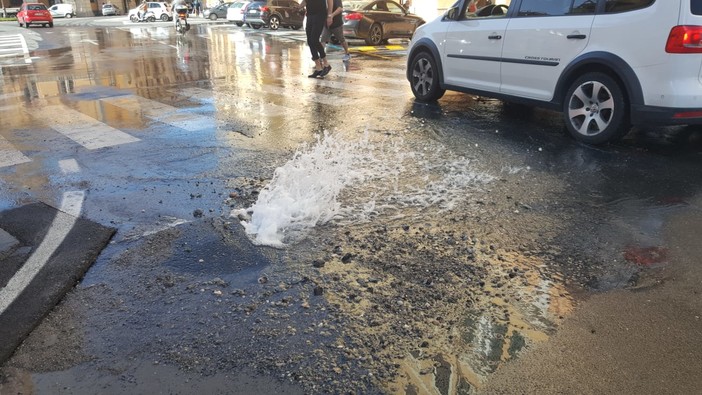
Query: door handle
[[495, 37], [576, 36]]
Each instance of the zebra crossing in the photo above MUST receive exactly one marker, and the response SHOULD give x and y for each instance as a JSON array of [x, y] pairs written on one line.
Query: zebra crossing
[[14, 50], [273, 101]]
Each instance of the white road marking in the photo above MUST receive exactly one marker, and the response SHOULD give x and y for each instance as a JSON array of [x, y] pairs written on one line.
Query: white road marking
[[265, 109], [84, 130], [71, 206], [160, 112], [9, 156], [17, 47], [302, 97], [69, 166], [354, 87]]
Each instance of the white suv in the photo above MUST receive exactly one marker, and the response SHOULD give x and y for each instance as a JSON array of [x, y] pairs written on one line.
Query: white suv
[[606, 64]]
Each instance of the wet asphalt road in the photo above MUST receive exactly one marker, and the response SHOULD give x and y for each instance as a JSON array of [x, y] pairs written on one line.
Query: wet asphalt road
[[435, 243]]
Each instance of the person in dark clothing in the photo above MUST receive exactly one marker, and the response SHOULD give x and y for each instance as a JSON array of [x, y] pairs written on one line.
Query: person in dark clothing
[[317, 18]]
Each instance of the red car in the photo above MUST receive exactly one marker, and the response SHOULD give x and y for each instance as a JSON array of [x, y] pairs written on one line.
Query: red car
[[34, 13]]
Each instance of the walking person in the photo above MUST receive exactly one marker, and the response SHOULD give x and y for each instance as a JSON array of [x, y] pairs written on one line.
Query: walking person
[[337, 29], [317, 18]]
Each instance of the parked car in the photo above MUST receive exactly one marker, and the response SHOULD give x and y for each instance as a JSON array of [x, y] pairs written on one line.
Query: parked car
[[34, 13], [218, 11], [274, 14], [110, 9], [572, 56], [160, 10], [377, 21], [235, 12], [62, 11]]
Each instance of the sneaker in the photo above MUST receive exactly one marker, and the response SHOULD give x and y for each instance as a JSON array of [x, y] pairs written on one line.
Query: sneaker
[[346, 57], [316, 73], [325, 71]]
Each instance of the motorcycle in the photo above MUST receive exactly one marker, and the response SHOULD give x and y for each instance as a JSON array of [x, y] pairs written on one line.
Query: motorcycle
[[182, 24], [149, 16]]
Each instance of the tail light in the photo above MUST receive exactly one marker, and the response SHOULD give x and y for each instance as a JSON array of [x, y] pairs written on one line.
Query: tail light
[[264, 8], [684, 39], [354, 16]]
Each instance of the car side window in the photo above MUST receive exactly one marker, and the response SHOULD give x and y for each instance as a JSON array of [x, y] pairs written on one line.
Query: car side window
[[485, 9], [394, 8], [613, 6], [557, 7], [379, 6]]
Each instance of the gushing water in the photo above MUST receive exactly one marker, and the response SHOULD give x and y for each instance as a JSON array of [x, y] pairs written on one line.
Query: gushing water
[[350, 182]]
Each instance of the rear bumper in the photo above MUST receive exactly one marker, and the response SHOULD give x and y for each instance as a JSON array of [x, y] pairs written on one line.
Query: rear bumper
[[651, 115], [38, 20]]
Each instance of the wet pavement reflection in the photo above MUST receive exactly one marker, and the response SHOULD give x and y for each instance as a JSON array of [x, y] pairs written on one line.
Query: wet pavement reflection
[[419, 247]]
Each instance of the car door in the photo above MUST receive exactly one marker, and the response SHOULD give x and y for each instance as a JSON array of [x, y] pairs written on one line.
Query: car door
[[542, 38], [54, 11], [292, 12], [473, 48], [401, 25]]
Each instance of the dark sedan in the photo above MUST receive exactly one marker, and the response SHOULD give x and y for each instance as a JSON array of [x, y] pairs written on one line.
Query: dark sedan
[[218, 11], [377, 21]]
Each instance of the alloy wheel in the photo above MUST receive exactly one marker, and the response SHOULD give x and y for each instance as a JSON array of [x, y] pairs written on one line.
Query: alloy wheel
[[274, 23], [591, 108]]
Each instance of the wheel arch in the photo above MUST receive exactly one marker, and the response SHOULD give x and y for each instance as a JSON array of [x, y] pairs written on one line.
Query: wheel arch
[[425, 45], [606, 63]]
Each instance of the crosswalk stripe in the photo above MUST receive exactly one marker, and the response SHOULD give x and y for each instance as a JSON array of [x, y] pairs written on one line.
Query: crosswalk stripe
[[162, 112], [17, 47], [266, 109], [9, 156], [377, 71], [322, 98], [361, 88], [84, 130]]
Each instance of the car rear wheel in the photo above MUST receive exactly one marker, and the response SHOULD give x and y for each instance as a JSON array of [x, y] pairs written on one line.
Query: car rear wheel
[[375, 35], [424, 78], [595, 109], [274, 22], [296, 27], [240, 24], [213, 17], [164, 17], [69, 15]]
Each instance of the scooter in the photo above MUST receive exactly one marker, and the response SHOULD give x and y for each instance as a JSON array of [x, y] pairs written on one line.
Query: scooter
[[182, 24], [149, 16]]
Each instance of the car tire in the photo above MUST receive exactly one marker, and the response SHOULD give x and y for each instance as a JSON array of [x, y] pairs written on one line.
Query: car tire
[[239, 24], [164, 18], [69, 15], [296, 27], [274, 22], [256, 25], [375, 35], [424, 78], [595, 109], [213, 17]]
